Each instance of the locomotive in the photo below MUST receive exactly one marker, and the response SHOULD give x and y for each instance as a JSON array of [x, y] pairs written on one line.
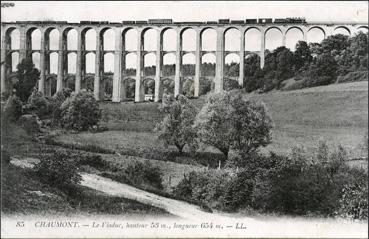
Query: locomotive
[[290, 20]]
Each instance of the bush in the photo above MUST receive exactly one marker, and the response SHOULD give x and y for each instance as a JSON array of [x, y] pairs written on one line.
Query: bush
[[57, 101], [205, 187], [80, 112], [354, 202], [12, 109], [138, 173], [58, 169], [39, 104], [231, 84], [297, 184], [353, 77]]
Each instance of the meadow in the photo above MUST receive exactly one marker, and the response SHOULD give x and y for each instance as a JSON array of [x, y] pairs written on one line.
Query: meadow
[[335, 113]]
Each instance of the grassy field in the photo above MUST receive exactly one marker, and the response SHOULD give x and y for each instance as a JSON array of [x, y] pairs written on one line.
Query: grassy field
[[336, 113], [23, 192]]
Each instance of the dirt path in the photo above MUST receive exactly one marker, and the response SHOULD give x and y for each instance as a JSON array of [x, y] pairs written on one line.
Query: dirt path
[[178, 208]]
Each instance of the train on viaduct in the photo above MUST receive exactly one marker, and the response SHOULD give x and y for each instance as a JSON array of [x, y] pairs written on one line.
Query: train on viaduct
[[221, 26]]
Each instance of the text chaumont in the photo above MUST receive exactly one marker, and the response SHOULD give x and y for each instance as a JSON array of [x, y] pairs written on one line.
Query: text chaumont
[[64, 224]]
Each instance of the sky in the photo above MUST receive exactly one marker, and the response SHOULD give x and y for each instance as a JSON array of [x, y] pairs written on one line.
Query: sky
[[185, 11]]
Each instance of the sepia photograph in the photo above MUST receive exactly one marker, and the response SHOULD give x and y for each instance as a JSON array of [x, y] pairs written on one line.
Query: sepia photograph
[[184, 119]]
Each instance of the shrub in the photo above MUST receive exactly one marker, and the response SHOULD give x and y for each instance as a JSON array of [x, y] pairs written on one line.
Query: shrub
[[353, 77], [58, 169], [12, 109], [354, 201], [80, 112], [56, 102], [176, 127], [138, 173], [231, 84], [39, 104], [205, 187], [205, 86]]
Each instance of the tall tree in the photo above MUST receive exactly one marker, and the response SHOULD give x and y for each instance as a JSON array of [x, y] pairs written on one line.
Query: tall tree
[[302, 55], [27, 77]]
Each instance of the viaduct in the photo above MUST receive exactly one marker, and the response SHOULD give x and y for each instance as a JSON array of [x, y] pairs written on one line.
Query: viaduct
[[25, 50]]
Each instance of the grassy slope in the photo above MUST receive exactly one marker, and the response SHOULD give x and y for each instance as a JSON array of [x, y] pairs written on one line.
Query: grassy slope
[[338, 113], [23, 192]]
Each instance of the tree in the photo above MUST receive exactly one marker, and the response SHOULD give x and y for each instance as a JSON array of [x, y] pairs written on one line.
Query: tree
[[323, 71], [302, 55], [80, 111], [229, 121], [176, 127], [335, 44], [27, 76]]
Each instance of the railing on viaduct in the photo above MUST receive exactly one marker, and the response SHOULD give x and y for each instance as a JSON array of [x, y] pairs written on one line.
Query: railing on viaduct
[[25, 50]]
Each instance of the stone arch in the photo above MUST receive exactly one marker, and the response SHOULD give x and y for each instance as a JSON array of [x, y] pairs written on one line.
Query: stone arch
[[149, 39], [107, 38], [210, 44], [12, 38], [88, 38], [273, 27], [70, 37], [208, 61], [188, 64], [168, 64], [52, 35], [130, 63], [148, 84], [313, 28], [131, 43], [149, 63], [253, 42], [294, 34], [167, 85], [33, 34], [128, 88], [272, 42], [169, 34], [363, 29], [188, 38], [232, 65], [90, 63], [342, 27], [232, 39], [108, 61]]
